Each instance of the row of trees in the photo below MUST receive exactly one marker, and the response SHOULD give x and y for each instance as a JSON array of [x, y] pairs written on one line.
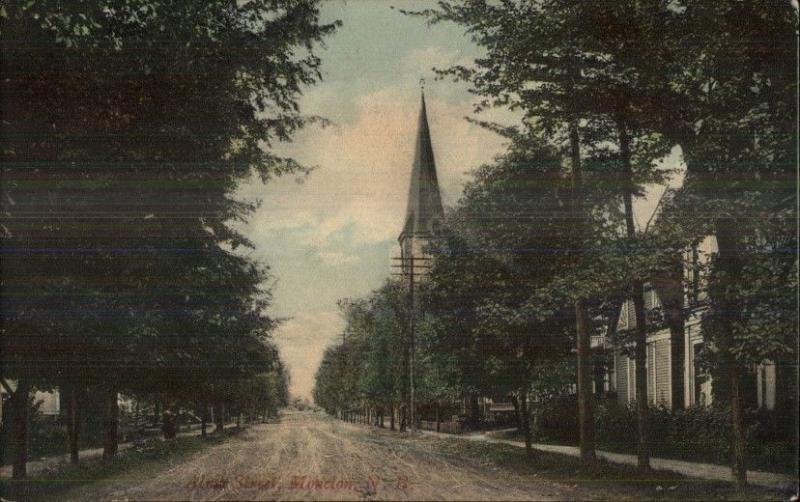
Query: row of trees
[[543, 247], [126, 125], [366, 372]]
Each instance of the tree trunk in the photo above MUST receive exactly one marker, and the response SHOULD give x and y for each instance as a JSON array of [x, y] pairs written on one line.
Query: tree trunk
[[474, 412], [526, 424], [728, 262], [239, 420], [219, 417], [438, 417], [517, 414], [391, 418], [402, 419], [738, 467], [136, 415], [19, 400], [169, 424], [111, 442], [156, 413], [585, 397], [642, 410], [637, 295], [72, 424], [582, 328], [204, 419]]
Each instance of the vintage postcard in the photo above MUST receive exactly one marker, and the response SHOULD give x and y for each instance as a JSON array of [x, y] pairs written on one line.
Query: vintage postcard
[[399, 250]]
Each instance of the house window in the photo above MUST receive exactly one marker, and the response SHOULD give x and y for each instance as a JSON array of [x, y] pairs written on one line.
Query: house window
[[651, 373], [623, 317], [650, 299], [693, 275], [695, 282], [702, 384], [631, 379], [766, 386]]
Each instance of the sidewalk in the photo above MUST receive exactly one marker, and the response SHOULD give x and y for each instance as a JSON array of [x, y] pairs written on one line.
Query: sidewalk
[[56, 461], [689, 469]]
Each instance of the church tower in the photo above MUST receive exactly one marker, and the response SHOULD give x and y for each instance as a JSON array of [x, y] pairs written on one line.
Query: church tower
[[424, 210]]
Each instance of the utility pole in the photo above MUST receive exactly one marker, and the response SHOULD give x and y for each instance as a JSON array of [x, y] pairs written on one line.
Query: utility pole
[[346, 411], [412, 411], [408, 267]]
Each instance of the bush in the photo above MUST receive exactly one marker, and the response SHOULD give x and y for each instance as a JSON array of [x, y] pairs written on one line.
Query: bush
[[556, 420], [47, 434], [700, 434]]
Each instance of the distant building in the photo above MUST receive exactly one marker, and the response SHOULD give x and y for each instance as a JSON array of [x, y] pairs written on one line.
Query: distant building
[[424, 214], [48, 402], [424, 210]]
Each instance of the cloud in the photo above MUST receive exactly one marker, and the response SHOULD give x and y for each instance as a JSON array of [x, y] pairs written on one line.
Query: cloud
[[302, 341], [336, 258], [364, 167], [422, 60], [331, 234]]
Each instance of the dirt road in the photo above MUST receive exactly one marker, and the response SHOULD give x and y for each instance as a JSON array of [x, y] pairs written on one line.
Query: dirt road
[[312, 457]]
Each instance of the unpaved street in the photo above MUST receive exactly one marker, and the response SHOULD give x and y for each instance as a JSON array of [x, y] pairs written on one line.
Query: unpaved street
[[309, 456]]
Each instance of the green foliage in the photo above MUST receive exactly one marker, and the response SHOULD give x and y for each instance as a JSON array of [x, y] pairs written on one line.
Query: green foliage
[[369, 367], [126, 126], [700, 434], [259, 394], [738, 136], [662, 74], [493, 265]]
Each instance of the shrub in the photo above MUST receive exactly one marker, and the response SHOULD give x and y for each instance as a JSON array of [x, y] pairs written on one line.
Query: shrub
[[556, 420], [700, 434]]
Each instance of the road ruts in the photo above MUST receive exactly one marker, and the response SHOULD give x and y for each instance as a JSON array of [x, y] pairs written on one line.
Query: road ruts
[[309, 456]]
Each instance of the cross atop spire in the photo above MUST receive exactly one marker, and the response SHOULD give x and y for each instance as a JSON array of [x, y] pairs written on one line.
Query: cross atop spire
[[424, 200]]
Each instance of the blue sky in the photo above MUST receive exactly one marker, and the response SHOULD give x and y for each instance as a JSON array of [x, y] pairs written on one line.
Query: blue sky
[[331, 234]]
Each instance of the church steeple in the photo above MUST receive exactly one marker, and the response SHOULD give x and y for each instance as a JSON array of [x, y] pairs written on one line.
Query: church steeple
[[424, 200]]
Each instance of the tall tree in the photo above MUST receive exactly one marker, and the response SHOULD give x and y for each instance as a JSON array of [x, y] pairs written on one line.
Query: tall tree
[[119, 154], [540, 60], [738, 134], [688, 73], [498, 263]]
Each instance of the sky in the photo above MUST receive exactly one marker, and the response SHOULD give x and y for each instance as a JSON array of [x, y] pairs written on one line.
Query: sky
[[331, 234]]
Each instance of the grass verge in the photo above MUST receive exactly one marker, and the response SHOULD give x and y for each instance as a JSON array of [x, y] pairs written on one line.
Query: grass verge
[[132, 464], [608, 481], [673, 453]]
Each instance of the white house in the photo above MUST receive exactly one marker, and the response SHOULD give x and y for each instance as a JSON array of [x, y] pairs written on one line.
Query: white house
[[675, 378]]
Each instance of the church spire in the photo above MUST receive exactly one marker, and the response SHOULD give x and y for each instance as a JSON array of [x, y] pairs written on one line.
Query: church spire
[[424, 200]]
